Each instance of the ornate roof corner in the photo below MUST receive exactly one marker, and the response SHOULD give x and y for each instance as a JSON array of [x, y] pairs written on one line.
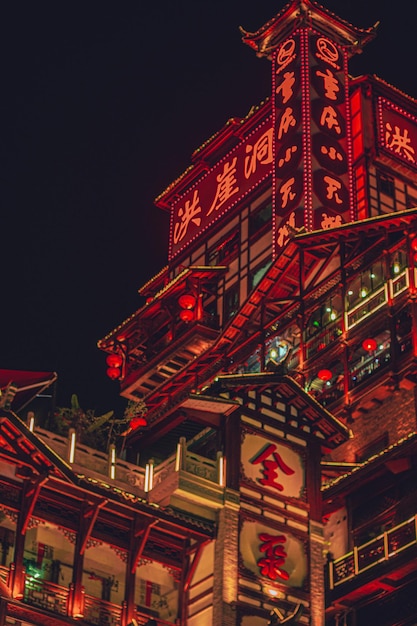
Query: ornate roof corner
[[306, 13]]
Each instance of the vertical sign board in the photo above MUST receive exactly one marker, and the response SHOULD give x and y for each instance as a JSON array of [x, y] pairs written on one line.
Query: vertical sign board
[[331, 134], [312, 136], [273, 551], [288, 191]]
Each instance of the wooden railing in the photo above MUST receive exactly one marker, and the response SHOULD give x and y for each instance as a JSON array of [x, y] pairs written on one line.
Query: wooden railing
[[56, 599], [46, 595], [383, 548], [101, 613]]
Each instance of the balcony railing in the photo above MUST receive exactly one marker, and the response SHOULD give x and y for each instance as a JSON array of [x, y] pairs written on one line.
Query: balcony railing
[[383, 548], [46, 595], [96, 465], [56, 599], [101, 613]]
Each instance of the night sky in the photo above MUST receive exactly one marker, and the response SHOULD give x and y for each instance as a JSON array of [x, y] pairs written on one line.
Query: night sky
[[102, 106]]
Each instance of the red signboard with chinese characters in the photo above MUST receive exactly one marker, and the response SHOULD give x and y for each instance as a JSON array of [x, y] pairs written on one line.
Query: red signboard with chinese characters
[[312, 186], [273, 466], [275, 555], [397, 132], [227, 183], [275, 469]]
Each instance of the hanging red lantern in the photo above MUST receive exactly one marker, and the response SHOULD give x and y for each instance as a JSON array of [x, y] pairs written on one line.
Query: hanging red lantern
[[187, 301], [137, 421], [186, 315], [325, 375], [414, 244], [115, 364], [114, 360], [369, 344], [113, 372]]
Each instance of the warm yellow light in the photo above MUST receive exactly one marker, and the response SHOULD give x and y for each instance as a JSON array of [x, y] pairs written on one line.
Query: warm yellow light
[[73, 438], [149, 476], [178, 458]]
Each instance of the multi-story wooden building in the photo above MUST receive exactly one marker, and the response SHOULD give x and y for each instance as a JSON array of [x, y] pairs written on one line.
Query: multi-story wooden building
[[269, 476]]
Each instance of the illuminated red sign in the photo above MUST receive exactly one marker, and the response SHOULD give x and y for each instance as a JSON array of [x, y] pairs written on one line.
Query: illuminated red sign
[[397, 132], [271, 462], [312, 143], [227, 183], [274, 557]]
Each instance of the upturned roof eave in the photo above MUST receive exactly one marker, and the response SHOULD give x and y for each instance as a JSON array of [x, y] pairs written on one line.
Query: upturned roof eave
[[299, 12]]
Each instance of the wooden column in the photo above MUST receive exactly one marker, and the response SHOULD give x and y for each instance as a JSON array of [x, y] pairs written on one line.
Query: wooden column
[[138, 537], [317, 582], [231, 450], [88, 515], [29, 496]]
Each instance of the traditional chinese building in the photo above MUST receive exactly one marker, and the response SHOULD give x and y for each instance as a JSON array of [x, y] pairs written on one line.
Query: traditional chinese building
[[269, 476]]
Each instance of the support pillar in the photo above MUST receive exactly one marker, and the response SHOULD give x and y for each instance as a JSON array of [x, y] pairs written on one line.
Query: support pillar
[[138, 538], [316, 539], [317, 584], [88, 515], [30, 493], [226, 559]]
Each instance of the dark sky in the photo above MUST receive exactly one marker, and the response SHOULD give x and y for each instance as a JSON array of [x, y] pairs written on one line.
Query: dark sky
[[102, 105]]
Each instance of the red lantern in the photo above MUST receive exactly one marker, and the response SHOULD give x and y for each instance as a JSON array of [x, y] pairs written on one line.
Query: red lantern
[[137, 421], [115, 366], [325, 375], [414, 244], [369, 344], [113, 373], [114, 360], [186, 315], [187, 301]]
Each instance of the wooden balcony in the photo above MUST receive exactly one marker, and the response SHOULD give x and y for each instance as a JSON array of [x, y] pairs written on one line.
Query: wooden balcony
[[382, 562], [48, 601], [185, 476], [166, 359]]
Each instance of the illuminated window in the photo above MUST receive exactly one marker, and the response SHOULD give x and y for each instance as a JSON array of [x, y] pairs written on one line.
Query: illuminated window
[[365, 284]]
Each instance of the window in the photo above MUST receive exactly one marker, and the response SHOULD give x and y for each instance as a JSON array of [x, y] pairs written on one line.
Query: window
[[386, 185], [222, 252], [259, 219], [231, 302], [257, 273]]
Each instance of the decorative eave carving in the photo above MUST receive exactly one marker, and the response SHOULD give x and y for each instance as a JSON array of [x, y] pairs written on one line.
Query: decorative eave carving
[[301, 13]]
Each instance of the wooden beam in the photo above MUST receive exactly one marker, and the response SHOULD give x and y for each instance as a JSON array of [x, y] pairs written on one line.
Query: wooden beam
[[29, 499], [141, 537], [193, 565], [88, 519]]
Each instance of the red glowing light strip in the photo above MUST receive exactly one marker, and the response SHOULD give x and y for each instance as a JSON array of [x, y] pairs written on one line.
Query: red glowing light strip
[[274, 158], [349, 140], [306, 122]]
